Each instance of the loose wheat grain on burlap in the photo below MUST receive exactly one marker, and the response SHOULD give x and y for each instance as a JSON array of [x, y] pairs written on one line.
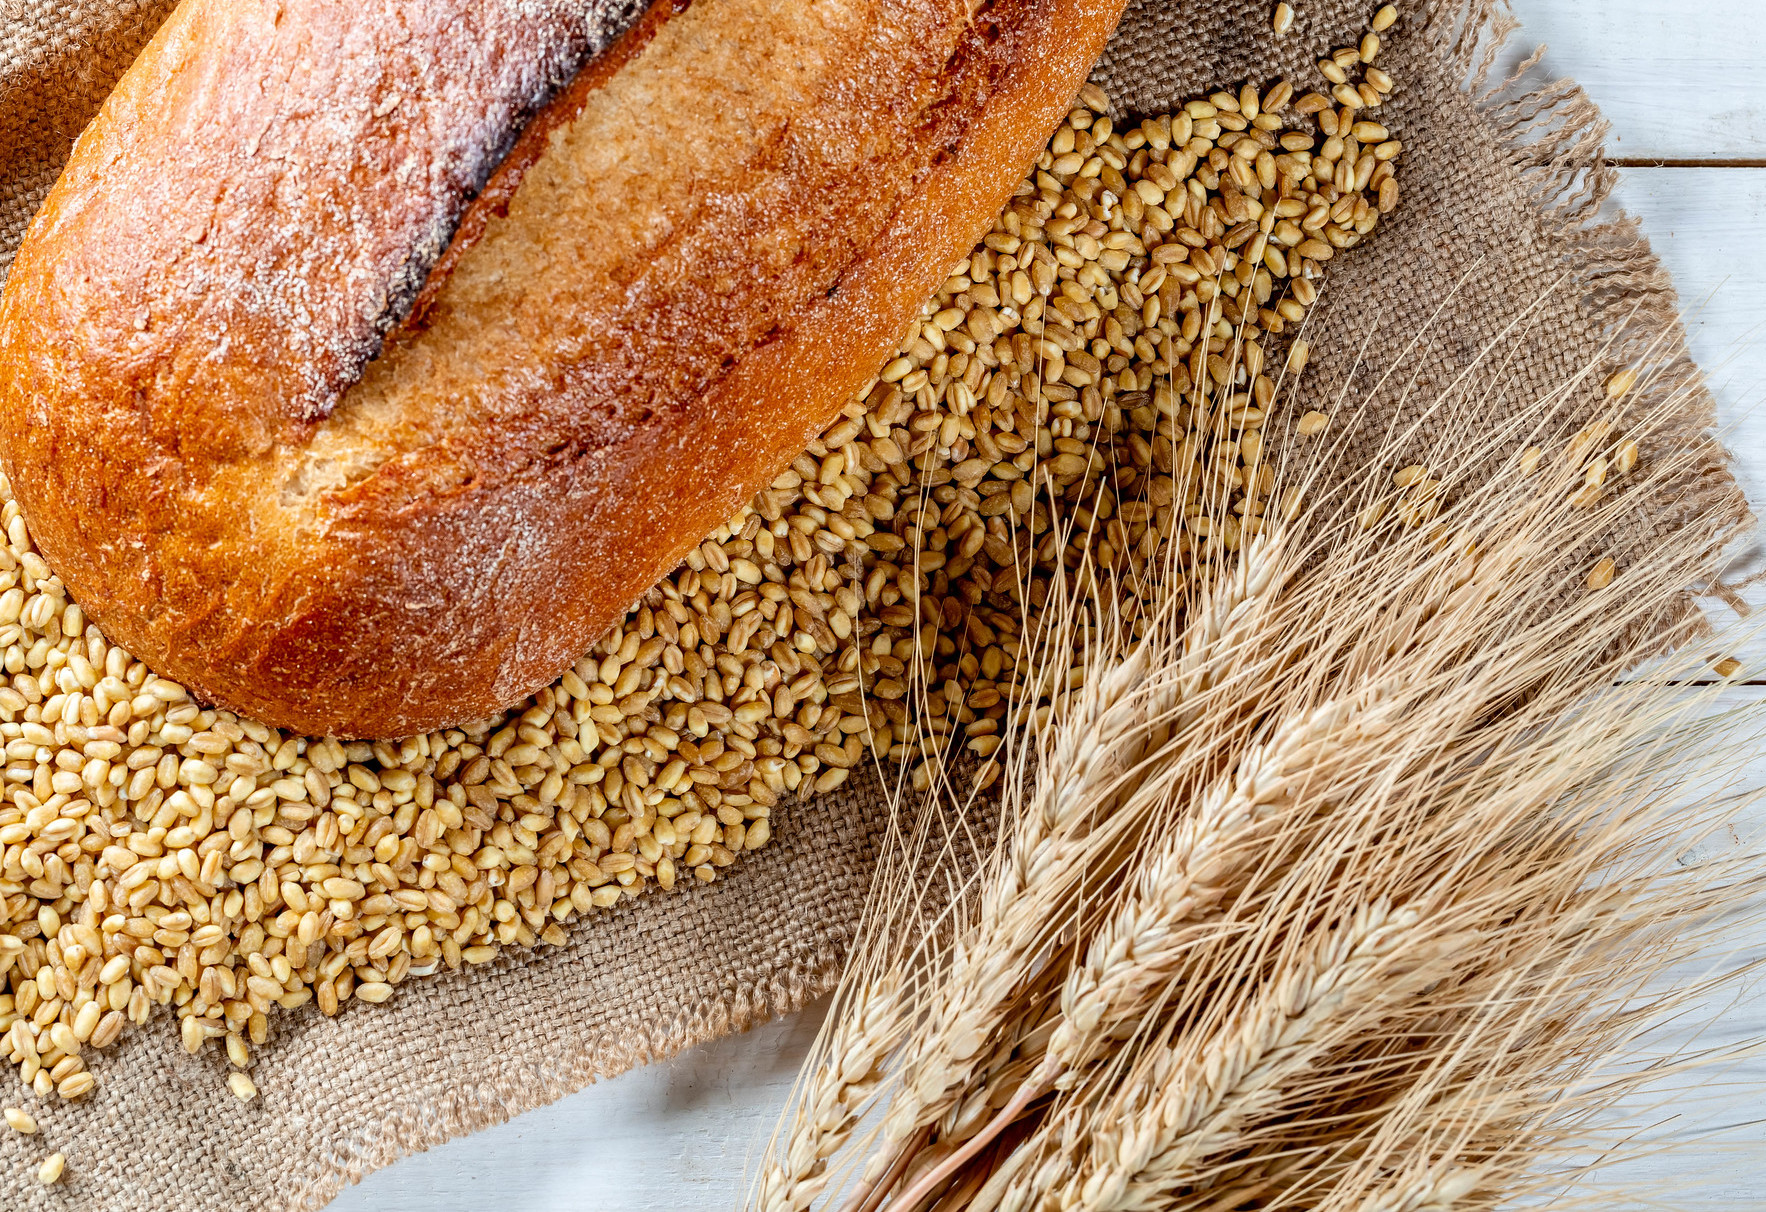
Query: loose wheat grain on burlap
[[1499, 197]]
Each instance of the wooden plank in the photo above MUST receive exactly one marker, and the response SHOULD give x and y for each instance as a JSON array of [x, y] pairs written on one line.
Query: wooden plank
[[1704, 224], [1710, 1119], [677, 1134], [1678, 80]]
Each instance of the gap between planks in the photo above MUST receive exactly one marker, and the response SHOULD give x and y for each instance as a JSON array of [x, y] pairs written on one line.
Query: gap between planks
[[1687, 162]]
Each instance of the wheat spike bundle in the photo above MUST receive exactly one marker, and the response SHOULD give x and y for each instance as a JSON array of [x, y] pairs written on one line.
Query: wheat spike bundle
[[1344, 878]]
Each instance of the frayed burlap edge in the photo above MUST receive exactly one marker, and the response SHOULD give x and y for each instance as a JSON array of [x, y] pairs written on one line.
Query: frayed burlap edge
[[1554, 136]]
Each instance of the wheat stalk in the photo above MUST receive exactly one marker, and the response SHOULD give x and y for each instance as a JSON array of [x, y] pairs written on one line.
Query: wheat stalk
[[1574, 871], [1190, 1098], [1543, 936], [1441, 1187], [838, 1092]]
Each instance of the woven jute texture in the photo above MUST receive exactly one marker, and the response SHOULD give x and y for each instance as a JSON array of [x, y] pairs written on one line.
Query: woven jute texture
[[1503, 189]]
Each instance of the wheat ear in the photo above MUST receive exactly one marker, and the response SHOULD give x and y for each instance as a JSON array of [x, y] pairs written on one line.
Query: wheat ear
[[839, 1090], [1138, 949], [1141, 945], [1190, 1098]]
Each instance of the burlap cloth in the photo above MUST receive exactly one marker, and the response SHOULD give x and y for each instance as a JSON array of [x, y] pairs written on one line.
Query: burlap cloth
[[1504, 182]]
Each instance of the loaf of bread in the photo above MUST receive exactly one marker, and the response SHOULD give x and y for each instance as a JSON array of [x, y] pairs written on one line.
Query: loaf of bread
[[370, 357]]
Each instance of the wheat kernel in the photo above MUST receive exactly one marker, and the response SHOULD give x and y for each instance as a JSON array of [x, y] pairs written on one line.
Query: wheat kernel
[[1284, 18], [77, 1084], [1601, 575], [49, 1173]]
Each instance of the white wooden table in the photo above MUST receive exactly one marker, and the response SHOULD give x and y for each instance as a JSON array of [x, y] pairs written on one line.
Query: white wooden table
[[1684, 84]]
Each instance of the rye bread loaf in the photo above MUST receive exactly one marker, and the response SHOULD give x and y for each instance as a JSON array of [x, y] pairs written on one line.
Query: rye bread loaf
[[369, 357]]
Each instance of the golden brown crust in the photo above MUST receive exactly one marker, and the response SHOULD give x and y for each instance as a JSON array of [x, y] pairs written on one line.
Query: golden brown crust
[[692, 258]]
